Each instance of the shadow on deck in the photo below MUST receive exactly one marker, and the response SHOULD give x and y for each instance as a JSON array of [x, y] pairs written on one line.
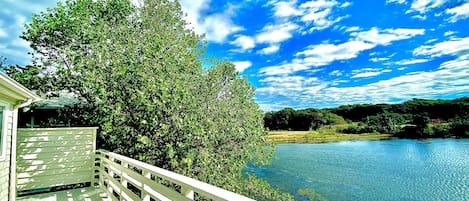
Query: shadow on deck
[[81, 194]]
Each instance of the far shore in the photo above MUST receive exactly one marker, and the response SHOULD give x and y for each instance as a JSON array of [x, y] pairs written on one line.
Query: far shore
[[321, 137]]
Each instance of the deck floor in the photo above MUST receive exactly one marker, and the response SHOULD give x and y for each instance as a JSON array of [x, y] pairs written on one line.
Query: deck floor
[[80, 194]]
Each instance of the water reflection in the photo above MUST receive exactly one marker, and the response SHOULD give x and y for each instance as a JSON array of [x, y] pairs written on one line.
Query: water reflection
[[374, 170]]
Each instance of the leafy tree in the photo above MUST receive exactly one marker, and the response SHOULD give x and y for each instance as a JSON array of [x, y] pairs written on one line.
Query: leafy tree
[[442, 131], [306, 119], [284, 118], [28, 75], [385, 122], [408, 119], [421, 124], [138, 68], [459, 126]]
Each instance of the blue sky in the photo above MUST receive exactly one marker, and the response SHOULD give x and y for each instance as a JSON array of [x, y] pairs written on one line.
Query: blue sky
[[320, 53]]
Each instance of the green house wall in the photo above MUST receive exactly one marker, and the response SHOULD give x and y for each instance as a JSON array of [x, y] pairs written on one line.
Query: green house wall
[[48, 157]]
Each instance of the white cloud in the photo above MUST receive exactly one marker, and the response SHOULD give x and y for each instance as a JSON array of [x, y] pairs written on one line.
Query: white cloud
[[336, 73], [283, 69], [449, 78], [286, 9], [396, 1], [458, 63], [366, 74], [244, 42], [267, 107], [293, 18], [12, 7], [276, 33], [346, 4], [3, 33], [420, 17], [320, 13], [217, 27], [318, 4], [423, 6], [456, 47], [242, 65], [386, 36], [411, 61], [15, 55], [430, 41], [193, 8], [378, 59], [324, 54], [318, 55], [313, 14], [458, 13], [352, 29], [449, 33], [13, 15], [269, 50], [287, 85], [317, 16]]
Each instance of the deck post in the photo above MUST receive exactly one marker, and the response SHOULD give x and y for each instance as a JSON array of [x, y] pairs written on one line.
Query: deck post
[[95, 173], [14, 133]]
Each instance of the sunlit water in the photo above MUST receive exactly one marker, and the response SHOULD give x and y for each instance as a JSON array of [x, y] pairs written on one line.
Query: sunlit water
[[394, 170]]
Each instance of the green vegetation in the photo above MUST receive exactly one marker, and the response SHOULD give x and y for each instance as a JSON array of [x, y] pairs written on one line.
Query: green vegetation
[[310, 194], [300, 120], [138, 75], [321, 136], [416, 118]]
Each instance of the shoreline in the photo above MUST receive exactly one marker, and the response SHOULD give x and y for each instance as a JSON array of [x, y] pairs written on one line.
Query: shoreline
[[314, 137]]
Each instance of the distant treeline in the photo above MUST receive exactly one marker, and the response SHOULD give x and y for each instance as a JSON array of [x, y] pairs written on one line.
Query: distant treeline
[[415, 118]]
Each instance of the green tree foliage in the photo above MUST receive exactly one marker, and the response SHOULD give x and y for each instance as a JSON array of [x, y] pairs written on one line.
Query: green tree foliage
[[441, 131], [307, 119], [385, 123], [417, 118], [138, 69], [434, 109], [28, 75], [310, 194], [421, 125], [459, 126]]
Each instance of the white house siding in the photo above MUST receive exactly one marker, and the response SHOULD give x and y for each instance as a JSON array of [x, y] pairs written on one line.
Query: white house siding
[[5, 164]]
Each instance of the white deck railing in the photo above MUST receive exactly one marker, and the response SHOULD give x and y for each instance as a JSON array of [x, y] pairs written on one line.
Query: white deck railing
[[123, 178]]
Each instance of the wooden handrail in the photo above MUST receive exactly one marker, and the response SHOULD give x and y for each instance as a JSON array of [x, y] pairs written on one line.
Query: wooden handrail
[[124, 177]]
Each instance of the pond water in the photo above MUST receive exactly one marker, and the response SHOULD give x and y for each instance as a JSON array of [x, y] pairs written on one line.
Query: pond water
[[394, 170]]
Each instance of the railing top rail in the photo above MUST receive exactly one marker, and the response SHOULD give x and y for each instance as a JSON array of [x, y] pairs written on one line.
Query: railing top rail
[[196, 185], [58, 128]]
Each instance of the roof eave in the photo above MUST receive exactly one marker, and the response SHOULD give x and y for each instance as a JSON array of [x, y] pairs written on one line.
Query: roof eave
[[20, 90]]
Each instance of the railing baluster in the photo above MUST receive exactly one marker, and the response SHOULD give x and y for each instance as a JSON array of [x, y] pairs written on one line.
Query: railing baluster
[[188, 192], [141, 178], [145, 194], [124, 181]]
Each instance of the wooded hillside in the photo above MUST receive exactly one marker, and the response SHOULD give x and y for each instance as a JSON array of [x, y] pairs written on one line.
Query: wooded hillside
[[414, 118]]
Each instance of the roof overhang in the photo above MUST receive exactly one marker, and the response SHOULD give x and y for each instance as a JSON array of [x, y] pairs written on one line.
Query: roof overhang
[[15, 93]]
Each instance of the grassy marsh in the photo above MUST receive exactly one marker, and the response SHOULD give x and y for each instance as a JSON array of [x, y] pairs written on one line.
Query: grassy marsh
[[322, 135]]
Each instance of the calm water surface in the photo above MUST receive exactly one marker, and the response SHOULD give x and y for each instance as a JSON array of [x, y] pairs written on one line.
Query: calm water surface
[[394, 170]]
